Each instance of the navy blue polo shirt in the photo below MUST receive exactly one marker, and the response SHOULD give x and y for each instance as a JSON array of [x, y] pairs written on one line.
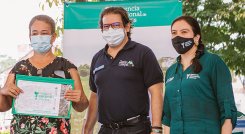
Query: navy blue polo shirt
[[122, 83]]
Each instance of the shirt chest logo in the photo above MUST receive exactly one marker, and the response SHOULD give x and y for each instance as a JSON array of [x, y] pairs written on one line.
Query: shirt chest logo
[[169, 80], [192, 76], [124, 63]]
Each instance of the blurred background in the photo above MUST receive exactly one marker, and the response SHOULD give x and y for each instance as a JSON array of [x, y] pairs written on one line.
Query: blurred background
[[222, 23]]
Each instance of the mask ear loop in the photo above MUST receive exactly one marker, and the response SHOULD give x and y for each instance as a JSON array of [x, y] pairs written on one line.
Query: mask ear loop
[[125, 32]]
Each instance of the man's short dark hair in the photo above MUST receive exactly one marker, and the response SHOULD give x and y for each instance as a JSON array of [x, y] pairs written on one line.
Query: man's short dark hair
[[117, 10]]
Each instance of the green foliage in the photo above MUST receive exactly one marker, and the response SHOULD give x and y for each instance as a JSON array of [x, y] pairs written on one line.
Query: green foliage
[[84, 70], [50, 3], [58, 52], [223, 29], [59, 20]]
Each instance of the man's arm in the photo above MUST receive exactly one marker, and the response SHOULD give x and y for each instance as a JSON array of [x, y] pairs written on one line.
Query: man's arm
[[156, 104], [92, 114]]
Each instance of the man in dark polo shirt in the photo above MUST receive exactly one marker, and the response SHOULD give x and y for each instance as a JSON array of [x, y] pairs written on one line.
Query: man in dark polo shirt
[[121, 75]]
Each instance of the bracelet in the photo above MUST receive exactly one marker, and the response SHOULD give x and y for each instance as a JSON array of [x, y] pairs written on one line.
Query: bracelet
[[156, 127], [154, 130]]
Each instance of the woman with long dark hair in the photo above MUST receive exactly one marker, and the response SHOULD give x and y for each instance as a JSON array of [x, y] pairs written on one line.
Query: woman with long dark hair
[[198, 96]]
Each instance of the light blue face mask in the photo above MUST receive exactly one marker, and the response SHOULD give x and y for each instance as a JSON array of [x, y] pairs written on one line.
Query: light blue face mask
[[113, 37], [41, 43]]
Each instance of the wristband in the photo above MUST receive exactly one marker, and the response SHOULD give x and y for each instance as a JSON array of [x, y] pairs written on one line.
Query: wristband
[[156, 127], [154, 130]]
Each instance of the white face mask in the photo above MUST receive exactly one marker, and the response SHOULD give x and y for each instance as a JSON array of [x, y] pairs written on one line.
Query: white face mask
[[113, 37], [41, 43]]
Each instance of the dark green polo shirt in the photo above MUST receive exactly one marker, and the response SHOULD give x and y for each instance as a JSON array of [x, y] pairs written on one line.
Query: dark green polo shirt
[[199, 103]]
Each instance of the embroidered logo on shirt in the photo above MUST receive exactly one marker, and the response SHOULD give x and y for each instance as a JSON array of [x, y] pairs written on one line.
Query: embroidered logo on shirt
[[98, 68], [126, 63], [192, 76], [169, 79]]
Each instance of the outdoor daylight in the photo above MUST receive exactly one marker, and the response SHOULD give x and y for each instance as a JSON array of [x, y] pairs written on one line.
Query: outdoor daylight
[[122, 67]]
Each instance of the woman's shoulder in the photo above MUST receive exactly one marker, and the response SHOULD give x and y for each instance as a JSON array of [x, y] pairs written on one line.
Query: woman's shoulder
[[21, 67], [21, 63], [62, 60], [172, 68], [213, 61], [213, 58]]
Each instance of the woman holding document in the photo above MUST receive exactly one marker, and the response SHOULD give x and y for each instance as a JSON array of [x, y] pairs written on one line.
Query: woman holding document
[[45, 64]]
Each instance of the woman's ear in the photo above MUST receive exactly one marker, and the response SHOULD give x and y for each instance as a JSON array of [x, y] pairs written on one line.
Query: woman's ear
[[53, 37], [196, 39]]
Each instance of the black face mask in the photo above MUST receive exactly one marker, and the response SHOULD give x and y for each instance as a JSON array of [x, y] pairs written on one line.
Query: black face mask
[[182, 45]]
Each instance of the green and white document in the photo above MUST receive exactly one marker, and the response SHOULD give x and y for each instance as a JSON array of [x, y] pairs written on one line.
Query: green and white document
[[42, 96]]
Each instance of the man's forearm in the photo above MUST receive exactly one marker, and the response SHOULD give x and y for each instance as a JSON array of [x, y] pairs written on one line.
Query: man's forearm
[[156, 104], [92, 114], [156, 109]]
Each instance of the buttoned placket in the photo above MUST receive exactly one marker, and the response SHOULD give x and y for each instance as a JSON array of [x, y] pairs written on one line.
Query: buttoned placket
[[110, 59], [181, 78], [179, 117]]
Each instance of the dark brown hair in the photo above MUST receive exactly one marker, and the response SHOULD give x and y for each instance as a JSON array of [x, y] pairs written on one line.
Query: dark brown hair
[[197, 67], [117, 10], [44, 18]]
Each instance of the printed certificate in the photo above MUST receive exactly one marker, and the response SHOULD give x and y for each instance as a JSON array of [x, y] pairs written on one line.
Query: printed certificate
[[42, 96]]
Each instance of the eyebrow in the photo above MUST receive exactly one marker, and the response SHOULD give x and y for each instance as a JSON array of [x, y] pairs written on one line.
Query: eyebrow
[[112, 23], [41, 31], [180, 30], [184, 29], [44, 31], [34, 31]]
